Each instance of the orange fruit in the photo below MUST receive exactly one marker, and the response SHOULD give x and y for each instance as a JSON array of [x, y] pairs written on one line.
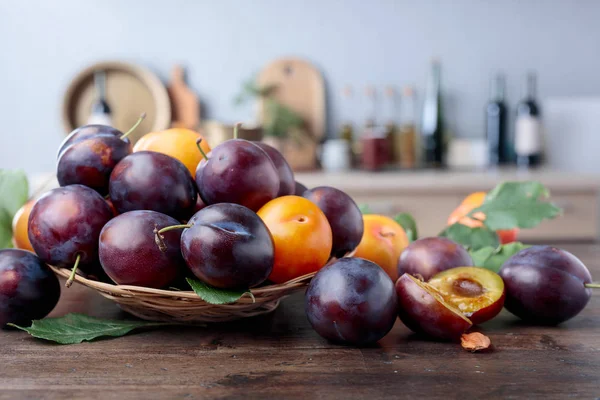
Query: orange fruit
[[471, 202], [179, 143], [20, 224], [382, 242], [301, 234]]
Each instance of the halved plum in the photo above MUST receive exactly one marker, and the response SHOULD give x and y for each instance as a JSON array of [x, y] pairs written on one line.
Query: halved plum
[[423, 310], [477, 292]]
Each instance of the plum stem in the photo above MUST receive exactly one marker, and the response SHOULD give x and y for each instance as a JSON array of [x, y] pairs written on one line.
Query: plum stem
[[69, 281], [173, 227], [236, 128], [200, 148], [159, 239], [592, 285], [139, 121]]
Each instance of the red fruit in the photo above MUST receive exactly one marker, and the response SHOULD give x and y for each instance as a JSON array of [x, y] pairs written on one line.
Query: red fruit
[[153, 181], [299, 189], [287, 184], [237, 171], [428, 256], [545, 285], [65, 224], [90, 161], [423, 310], [351, 301], [129, 254], [28, 288], [343, 215], [228, 246]]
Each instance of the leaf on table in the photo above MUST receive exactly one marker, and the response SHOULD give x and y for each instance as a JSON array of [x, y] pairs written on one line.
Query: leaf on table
[[214, 295], [471, 238], [76, 328], [493, 258], [364, 209], [407, 222], [517, 205], [475, 341]]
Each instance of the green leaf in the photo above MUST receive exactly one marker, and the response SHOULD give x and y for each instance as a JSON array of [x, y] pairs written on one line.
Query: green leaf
[[364, 209], [471, 238], [213, 295], [76, 328], [493, 258], [5, 230], [481, 255], [280, 119], [14, 190], [517, 205], [407, 222]]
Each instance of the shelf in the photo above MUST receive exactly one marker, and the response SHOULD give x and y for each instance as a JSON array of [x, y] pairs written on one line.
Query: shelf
[[446, 181]]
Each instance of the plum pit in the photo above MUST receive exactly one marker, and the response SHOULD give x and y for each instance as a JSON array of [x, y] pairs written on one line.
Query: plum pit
[[467, 287]]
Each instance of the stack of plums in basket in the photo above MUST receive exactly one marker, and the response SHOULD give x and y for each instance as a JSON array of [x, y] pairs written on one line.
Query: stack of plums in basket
[[171, 207]]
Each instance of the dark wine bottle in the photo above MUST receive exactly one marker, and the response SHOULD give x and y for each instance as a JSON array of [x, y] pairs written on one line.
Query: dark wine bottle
[[432, 127], [495, 123], [528, 127]]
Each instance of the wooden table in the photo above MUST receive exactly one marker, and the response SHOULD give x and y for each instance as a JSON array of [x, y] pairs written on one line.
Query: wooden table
[[280, 356]]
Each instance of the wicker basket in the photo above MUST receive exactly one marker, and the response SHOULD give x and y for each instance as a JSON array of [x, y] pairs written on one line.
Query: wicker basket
[[186, 306]]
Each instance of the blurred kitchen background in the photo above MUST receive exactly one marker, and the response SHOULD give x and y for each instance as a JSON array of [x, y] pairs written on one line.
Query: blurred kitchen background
[[407, 105]]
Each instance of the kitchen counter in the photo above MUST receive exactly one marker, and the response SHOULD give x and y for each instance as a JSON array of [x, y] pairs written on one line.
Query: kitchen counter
[[433, 181], [280, 356], [431, 195]]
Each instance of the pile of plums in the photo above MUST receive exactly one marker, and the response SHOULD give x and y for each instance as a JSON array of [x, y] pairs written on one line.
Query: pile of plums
[[440, 294], [139, 217]]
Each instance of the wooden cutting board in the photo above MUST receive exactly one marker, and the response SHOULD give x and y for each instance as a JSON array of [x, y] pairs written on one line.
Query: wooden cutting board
[[185, 106], [300, 87]]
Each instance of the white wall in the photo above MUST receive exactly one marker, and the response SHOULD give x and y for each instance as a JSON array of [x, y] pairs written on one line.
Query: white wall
[[43, 44]]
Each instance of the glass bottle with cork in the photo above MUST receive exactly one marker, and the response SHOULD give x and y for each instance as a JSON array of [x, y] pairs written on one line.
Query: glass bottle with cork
[[391, 127], [374, 143], [406, 139]]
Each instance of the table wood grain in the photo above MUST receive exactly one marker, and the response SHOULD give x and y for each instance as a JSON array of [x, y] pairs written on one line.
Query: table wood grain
[[280, 356]]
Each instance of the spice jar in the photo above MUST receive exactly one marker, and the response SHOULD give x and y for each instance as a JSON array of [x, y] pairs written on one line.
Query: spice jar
[[375, 149]]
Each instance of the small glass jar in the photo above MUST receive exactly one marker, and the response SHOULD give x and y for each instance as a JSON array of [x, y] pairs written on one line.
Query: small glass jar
[[335, 155], [375, 149]]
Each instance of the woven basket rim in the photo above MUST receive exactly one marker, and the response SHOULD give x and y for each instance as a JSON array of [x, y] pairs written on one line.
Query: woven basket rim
[[116, 289], [185, 305]]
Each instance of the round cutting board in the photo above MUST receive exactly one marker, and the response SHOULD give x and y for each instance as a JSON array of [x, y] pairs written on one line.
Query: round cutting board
[[130, 91]]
